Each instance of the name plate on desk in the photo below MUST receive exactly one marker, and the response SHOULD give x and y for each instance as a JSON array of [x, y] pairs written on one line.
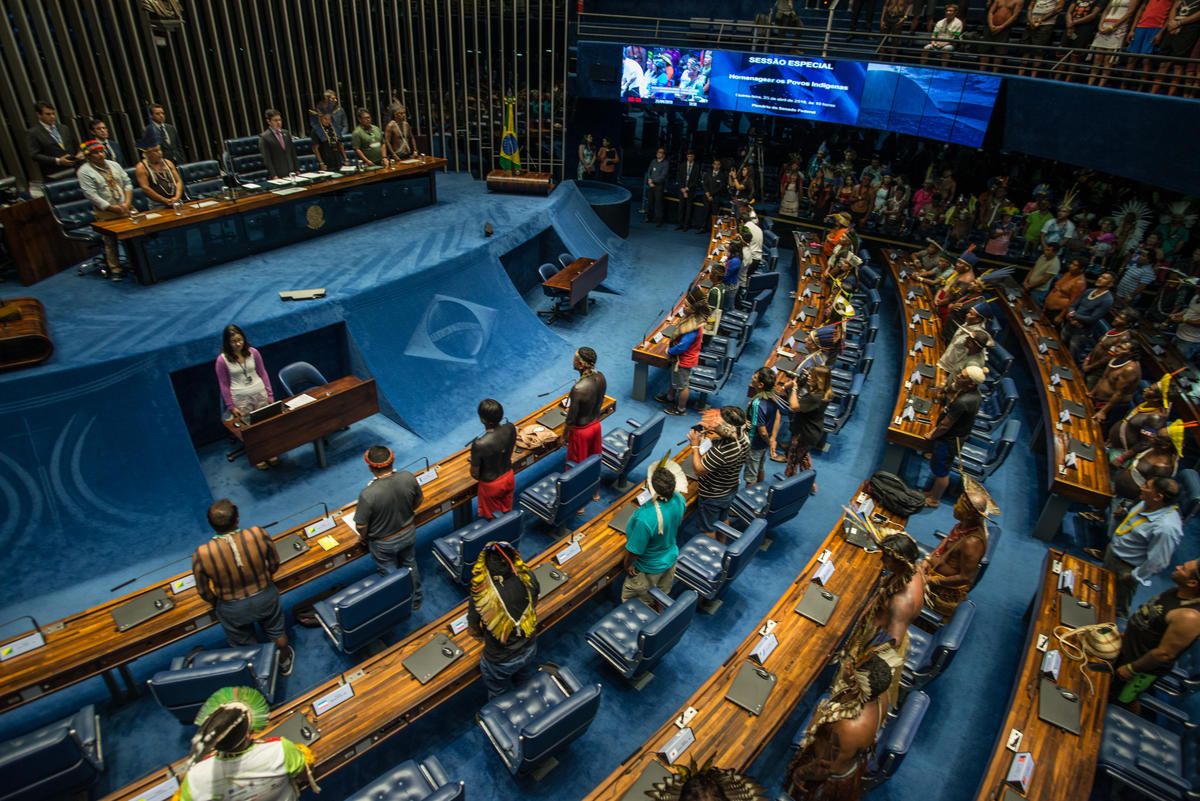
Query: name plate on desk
[[766, 646], [22, 646], [751, 687], [553, 417], [432, 658], [323, 525], [290, 547], [185, 583], [568, 553], [329, 700], [142, 608], [426, 477], [549, 578]]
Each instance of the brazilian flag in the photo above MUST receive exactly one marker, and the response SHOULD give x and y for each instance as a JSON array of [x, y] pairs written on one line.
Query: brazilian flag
[[510, 156]]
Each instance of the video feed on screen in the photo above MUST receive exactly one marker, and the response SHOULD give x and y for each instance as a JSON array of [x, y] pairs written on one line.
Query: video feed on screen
[[665, 75]]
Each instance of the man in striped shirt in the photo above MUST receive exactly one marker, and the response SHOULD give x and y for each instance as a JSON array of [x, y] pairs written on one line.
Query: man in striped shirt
[[717, 468], [233, 573]]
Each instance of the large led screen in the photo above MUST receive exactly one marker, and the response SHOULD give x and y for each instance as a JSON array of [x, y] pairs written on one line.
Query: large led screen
[[665, 75], [788, 86], [937, 104]]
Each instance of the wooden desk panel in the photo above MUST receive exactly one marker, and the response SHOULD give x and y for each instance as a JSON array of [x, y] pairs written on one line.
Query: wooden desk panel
[[1064, 763], [520, 182], [338, 404], [36, 241], [726, 733], [387, 698], [1088, 482], [88, 644], [914, 433], [579, 278], [24, 340]]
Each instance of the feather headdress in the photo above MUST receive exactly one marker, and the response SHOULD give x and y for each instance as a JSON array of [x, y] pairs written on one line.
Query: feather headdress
[[734, 785], [485, 595]]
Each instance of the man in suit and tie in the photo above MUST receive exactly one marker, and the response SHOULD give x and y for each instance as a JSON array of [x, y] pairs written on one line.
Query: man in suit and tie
[[709, 196], [165, 133], [277, 149], [52, 146], [112, 151], [689, 182]]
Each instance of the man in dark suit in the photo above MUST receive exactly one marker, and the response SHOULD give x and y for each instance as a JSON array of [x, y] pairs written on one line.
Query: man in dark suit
[[112, 151], [689, 182], [165, 133], [277, 149], [709, 196], [52, 146]]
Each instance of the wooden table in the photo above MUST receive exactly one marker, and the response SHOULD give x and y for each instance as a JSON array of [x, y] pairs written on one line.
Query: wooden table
[[36, 241], [920, 319], [1089, 481], [520, 182], [1064, 763], [387, 698], [1159, 356], [88, 644], [337, 404], [579, 278], [651, 351], [726, 733], [161, 244], [809, 264]]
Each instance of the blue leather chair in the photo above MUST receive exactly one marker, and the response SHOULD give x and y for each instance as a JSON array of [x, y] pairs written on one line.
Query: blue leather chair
[[55, 761], [558, 496], [999, 361], [843, 372], [930, 654], [981, 459], [837, 414], [713, 368], [565, 259], [413, 781], [249, 169], [559, 307], [896, 739], [303, 146], [358, 614], [459, 550], [775, 501], [1189, 504], [868, 276], [535, 721], [622, 450], [184, 687], [633, 637], [239, 147], [66, 190], [1184, 678], [707, 566], [996, 407], [308, 163], [300, 377], [1154, 761]]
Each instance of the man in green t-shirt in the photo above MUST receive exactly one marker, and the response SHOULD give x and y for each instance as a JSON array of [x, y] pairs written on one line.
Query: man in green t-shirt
[[650, 549], [367, 140], [1034, 221]]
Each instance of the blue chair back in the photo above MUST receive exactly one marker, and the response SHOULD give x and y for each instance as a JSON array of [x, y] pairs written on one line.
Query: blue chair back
[[76, 214], [308, 163], [786, 497], [304, 146], [199, 171], [505, 528], [67, 190], [565, 259], [559, 726], [376, 596], [949, 639], [873, 301], [739, 552], [182, 692], [1189, 482], [56, 761], [575, 487], [244, 165], [412, 781], [300, 377], [999, 360], [642, 441], [202, 189], [546, 272], [241, 146], [661, 634], [760, 281], [896, 739], [867, 275]]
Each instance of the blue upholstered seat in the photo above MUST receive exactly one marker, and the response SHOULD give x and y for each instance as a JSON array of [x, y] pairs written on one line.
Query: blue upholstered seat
[[930, 654], [1153, 760], [533, 722], [714, 367], [458, 550], [1189, 500], [56, 761], [565, 259], [558, 496], [358, 614], [896, 739], [199, 171], [837, 414], [67, 190], [981, 459], [558, 307], [622, 449], [184, 687], [775, 501], [245, 165], [707, 566], [76, 218], [300, 377], [633, 637], [413, 781]]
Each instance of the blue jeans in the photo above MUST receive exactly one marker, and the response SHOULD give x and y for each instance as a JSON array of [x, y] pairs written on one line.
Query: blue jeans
[[1188, 349], [397, 551], [713, 510], [500, 677], [238, 617]]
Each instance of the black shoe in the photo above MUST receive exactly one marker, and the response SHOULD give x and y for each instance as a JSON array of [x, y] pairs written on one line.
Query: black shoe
[[663, 398], [287, 659], [675, 410], [1095, 553]]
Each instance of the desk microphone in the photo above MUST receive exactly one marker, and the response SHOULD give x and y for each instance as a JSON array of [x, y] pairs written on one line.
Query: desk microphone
[[148, 572], [556, 389], [657, 320], [322, 504]]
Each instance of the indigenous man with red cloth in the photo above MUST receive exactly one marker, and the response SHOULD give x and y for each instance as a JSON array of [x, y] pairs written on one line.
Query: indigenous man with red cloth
[[491, 460]]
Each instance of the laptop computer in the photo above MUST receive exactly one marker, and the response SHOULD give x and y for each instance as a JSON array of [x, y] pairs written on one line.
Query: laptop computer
[[1074, 408], [553, 418], [297, 728], [926, 340], [142, 608], [786, 364], [751, 687], [1082, 450], [290, 547], [1075, 613], [621, 519], [432, 658], [927, 370], [817, 604], [265, 412], [1063, 373], [653, 773], [1058, 706], [1051, 344], [550, 577]]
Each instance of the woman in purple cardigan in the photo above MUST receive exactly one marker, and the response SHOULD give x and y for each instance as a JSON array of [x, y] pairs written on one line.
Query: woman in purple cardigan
[[242, 375]]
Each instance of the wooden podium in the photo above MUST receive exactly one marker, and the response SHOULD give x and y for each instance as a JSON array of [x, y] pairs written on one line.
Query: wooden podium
[[520, 182], [24, 340]]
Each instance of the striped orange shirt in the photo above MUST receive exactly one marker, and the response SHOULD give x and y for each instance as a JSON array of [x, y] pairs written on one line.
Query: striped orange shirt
[[235, 565]]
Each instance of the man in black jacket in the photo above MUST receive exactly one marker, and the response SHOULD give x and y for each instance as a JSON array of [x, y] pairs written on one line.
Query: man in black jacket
[[53, 146], [709, 196], [165, 133], [655, 187], [689, 183], [277, 149]]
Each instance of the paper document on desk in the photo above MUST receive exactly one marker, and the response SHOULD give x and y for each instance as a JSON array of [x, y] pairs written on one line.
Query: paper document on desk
[[411, 161], [279, 182], [289, 191], [312, 176], [348, 520], [302, 399], [251, 186], [204, 204]]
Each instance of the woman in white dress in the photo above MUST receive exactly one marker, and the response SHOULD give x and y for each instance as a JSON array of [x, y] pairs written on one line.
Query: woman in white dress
[[790, 205], [242, 376]]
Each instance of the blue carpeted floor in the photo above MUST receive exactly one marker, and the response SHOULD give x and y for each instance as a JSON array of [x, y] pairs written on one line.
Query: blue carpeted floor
[[435, 399]]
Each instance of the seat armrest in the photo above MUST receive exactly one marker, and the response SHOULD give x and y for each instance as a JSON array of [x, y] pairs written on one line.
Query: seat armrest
[[449, 792], [633, 423], [1155, 772], [661, 597], [1172, 713]]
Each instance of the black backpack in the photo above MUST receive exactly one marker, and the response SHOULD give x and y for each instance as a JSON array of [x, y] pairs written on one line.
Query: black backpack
[[890, 492]]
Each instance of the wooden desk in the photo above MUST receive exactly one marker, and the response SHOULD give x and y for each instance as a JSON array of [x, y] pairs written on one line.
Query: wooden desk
[[338, 404], [579, 278], [520, 182], [162, 244], [24, 341], [36, 241], [1089, 481], [387, 698], [809, 264], [1064, 763], [651, 353], [913, 434], [88, 644], [1159, 356], [726, 733]]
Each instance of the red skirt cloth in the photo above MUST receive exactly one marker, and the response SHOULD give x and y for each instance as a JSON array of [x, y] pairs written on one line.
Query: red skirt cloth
[[496, 497], [583, 442]]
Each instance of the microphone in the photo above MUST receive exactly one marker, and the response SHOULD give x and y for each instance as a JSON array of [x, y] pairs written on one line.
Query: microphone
[[556, 389], [657, 320], [424, 459], [148, 572], [322, 504]]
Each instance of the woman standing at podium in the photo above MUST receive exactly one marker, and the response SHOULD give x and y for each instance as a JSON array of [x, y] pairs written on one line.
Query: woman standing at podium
[[242, 376]]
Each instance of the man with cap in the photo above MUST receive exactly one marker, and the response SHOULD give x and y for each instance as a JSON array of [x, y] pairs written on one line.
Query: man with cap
[[1142, 544], [684, 350], [650, 547], [106, 184], [960, 404], [951, 568], [384, 516], [717, 469]]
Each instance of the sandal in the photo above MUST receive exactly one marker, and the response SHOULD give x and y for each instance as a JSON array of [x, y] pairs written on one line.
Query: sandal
[[675, 410]]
